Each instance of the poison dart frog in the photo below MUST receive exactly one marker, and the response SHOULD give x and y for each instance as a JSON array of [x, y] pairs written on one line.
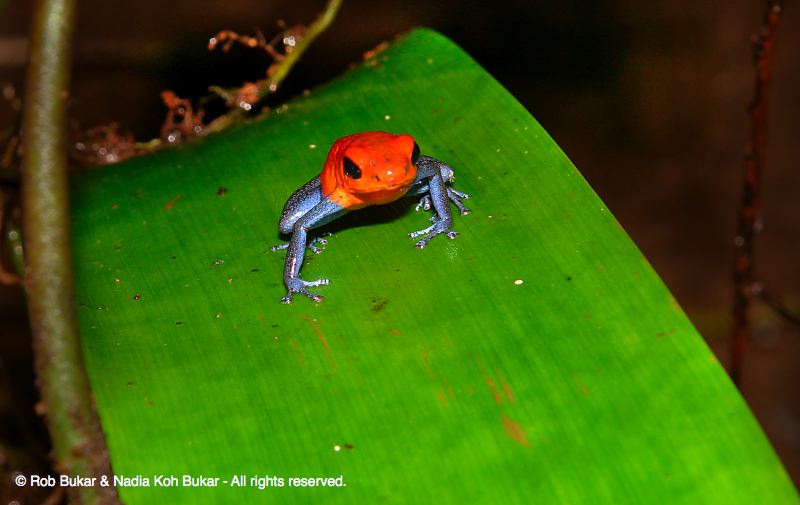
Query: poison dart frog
[[363, 169]]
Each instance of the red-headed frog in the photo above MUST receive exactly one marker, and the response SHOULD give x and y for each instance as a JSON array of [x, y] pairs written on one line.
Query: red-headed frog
[[363, 169]]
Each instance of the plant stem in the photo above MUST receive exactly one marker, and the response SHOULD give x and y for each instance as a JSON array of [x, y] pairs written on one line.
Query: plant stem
[[78, 442], [314, 30], [749, 212], [281, 69]]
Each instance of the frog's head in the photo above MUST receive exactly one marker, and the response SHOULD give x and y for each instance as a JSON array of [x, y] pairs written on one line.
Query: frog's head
[[370, 168]]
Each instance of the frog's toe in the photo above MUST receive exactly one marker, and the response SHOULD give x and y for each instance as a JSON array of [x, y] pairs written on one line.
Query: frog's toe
[[424, 203], [318, 282], [459, 194], [422, 243], [456, 197], [288, 298], [312, 244], [298, 286], [437, 228], [419, 233]]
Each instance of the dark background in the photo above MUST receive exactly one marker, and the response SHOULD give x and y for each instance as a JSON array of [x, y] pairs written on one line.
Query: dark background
[[648, 99]]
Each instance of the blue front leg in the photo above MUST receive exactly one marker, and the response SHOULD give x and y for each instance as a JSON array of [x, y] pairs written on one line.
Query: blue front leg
[[301, 201], [454, 195], [433, 177], [323, 212]]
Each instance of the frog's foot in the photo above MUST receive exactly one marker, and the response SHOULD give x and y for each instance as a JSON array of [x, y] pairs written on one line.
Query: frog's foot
[[318, 240], [454, 195], [424, 203], [440, 226], [312, 244], [298, 285]]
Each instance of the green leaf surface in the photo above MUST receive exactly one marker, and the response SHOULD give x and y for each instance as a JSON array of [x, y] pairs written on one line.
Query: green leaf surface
[[536, 358]]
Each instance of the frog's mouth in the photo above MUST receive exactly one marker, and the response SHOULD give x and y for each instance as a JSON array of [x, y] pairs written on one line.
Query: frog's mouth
[[397, 186], [386, 194]]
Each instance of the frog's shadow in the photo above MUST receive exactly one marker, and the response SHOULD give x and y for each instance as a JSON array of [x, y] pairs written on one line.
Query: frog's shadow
[[368, 216]]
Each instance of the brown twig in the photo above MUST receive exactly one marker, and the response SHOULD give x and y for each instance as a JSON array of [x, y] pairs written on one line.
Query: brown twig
[[9, 179], [9, 136], [749, 220], [7, 277], [12, 233], [103, 145], [779, 307], [184, 120], [227, 38], [78, 442], [295, 42]]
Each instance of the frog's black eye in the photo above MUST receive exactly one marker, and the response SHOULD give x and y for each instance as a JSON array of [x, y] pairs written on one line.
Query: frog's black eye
[[415, 154], [351, 169]]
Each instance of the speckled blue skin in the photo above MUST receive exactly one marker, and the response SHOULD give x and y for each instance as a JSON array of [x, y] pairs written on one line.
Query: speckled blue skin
[[307, 209]]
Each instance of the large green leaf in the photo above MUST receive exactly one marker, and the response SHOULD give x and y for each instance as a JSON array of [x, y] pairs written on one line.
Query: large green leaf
[[537, 358]]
